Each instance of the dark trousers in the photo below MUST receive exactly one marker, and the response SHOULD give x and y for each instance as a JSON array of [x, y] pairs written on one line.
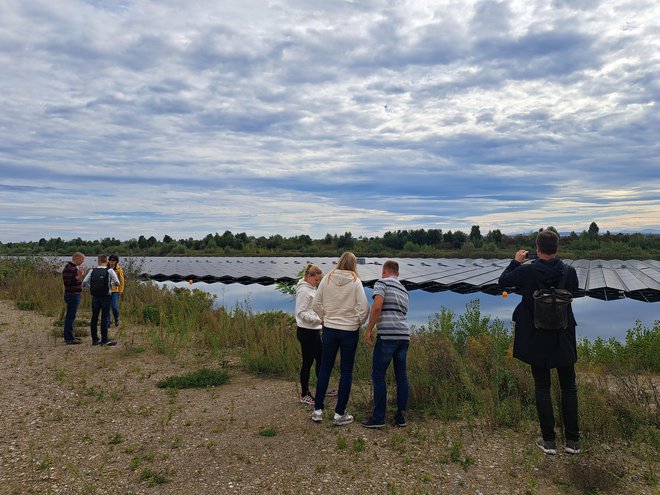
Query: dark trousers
[[569, 402], [310, 346], [387, 351], [345, 342], [100, 305], [72, 302]]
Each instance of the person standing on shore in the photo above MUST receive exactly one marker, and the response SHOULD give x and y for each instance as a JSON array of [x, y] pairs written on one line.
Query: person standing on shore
[[546, 349], [72, 276], [389, 313], [117, 291], [340, 302], [100, 281], [308, 329]]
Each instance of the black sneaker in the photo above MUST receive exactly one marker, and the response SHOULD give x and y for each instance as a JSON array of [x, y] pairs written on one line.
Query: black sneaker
[[547, 446], [400, 420], [96, 342], [109, 343], [75, 341], [370, 423], [572, 447], [117, 322]]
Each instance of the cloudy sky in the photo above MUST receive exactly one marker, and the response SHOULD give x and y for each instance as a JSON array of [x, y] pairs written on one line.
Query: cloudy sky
[[127, 118]]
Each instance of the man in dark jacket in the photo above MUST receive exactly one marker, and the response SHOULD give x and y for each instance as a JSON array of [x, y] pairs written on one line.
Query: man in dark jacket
[[546, 349]]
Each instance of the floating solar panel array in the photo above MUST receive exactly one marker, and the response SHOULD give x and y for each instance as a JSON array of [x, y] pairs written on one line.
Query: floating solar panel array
[[612, 279]]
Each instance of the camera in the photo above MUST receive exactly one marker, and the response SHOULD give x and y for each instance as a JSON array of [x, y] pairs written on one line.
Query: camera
[[530, 256]]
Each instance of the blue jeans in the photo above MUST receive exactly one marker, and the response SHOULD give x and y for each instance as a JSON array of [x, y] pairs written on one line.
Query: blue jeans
[[114, 306], [72, 302], [387, 351], [100, 305], [346, 342]]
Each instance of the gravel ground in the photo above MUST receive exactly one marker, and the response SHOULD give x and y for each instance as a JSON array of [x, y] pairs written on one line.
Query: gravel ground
[[90, 420]]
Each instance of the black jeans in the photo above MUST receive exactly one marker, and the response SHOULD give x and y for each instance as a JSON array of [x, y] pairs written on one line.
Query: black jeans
[[100, 305], [310, 345], [569, 402]]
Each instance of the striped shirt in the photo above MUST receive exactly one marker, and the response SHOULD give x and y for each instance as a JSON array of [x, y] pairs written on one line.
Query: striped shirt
[[392, 324], [71, 284]]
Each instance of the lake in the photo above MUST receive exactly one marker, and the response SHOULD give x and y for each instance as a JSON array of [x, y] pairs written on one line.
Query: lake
[[596, 318]]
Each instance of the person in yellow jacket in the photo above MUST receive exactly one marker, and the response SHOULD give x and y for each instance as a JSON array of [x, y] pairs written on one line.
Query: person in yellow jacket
[[113, 262]]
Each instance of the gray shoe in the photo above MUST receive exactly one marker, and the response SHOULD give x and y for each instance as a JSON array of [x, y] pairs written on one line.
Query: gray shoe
[[343, 419], [547, 446], [572, 447], [317, 415]]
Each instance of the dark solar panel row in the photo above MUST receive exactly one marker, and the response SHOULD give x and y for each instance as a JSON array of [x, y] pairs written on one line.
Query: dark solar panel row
[[602, 279]]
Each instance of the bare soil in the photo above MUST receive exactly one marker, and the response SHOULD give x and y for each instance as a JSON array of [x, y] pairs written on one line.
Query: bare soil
[[90, 420]]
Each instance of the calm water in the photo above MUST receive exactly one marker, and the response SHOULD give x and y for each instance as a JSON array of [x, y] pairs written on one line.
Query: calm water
[[595, 318]]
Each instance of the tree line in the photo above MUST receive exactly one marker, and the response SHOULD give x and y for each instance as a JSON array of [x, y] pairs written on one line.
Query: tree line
[[431, 243]]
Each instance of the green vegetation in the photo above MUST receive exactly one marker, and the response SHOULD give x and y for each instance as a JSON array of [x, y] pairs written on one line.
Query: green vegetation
[[589, 244], [202, 378], [460, 366]]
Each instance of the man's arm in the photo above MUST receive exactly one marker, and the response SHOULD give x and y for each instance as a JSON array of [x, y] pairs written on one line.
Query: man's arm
[[376, 309]]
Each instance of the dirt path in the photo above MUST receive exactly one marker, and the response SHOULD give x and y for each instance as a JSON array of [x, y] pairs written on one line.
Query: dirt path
[[90, 420]]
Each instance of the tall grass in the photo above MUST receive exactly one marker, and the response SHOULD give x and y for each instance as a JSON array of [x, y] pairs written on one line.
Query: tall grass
[[459, 366]]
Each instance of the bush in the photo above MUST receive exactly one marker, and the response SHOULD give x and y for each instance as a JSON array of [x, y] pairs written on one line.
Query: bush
[[202, 378]]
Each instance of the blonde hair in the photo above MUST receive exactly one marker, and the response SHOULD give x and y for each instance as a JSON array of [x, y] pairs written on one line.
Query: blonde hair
[[347, 262], [312, 270]]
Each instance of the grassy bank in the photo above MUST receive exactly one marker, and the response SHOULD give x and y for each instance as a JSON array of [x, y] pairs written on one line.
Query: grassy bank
[[460, 366]]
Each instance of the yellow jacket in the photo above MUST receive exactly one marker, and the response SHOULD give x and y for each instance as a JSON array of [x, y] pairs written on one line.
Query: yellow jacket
[[120, 275]]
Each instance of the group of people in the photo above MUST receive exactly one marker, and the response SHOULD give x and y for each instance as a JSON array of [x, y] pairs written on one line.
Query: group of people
[[331, 309], [106, 283], [329, 313]]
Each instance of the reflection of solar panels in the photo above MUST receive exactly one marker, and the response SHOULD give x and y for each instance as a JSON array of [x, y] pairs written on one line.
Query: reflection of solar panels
[[613, 279]]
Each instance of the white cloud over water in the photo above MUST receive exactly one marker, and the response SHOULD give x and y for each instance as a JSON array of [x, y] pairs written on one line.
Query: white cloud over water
[[186, 118]]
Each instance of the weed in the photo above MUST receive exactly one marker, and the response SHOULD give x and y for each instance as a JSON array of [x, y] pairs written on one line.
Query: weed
[[176, 442], [201, 378], [116, 439], [152, 478], [135, 463], [358, 445], [45, 463], [268, 432], [342, 443], [26, 305]]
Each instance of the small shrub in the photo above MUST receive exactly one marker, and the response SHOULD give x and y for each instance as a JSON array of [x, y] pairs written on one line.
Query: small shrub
[[26, 305], [268, 432], [202, 378], [116, 439], [151, 314], [152, 477]]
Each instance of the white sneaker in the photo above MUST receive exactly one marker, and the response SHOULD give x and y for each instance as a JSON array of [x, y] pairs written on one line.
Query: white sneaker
[[342, 420], [317, 415]]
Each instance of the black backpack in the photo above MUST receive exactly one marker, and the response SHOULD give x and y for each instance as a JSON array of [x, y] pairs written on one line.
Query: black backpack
[[98, 282], [551, 305]]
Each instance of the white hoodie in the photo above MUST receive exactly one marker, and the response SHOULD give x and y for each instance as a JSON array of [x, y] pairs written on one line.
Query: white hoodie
[[305, 317], [340, 301]]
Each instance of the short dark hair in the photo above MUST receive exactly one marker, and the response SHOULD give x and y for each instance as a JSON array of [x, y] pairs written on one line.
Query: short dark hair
[[113, 257], [547, 241], [391, 266]]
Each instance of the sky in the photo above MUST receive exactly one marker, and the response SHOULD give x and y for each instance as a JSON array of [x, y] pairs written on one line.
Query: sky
[[128, 118]]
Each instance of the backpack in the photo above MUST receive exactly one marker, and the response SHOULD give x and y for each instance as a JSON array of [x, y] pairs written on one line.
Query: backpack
[[98, 282], [551, 305]]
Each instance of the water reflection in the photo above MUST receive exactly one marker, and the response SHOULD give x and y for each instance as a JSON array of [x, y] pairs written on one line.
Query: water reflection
[[595, 318]]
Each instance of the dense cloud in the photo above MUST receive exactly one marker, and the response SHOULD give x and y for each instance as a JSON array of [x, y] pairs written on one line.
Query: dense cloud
[[138, 117]]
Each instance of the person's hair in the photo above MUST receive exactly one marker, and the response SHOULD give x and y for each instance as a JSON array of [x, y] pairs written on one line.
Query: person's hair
[[77, 255], [312, 270], [113, 257], [547, 241], [102, 258], [391, 266], [348, 262]]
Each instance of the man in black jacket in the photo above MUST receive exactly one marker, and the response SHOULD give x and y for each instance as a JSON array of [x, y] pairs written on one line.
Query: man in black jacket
[[546, 349]]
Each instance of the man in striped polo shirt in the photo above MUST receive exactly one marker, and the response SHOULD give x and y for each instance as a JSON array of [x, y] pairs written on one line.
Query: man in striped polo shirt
[[72, 277], [389, 314]]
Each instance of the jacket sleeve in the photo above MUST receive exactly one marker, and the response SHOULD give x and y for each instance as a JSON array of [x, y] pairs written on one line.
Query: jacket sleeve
[[362, 305], [114, 281], [317, 303], [120, 275], [511, 276], [304, 302]]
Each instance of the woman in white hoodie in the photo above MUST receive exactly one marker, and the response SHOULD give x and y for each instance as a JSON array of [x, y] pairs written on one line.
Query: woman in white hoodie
[[308, 329], [342, 305]]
